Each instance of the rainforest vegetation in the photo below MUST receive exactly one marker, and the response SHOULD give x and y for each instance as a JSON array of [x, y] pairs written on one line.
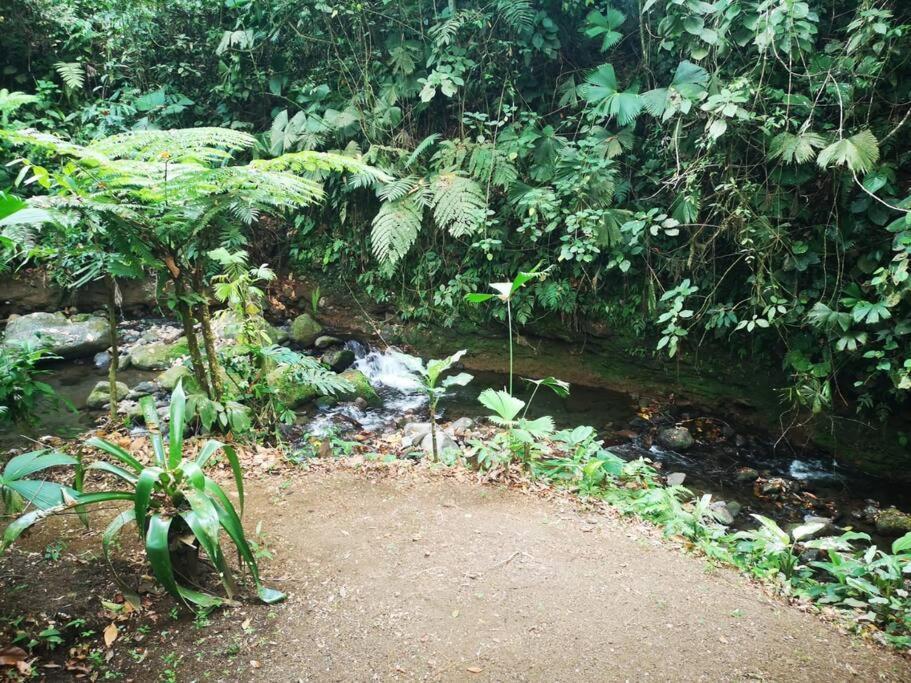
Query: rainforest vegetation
[[728, 180]]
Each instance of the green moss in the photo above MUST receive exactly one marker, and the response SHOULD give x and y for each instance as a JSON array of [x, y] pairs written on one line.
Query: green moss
[[158, 355]]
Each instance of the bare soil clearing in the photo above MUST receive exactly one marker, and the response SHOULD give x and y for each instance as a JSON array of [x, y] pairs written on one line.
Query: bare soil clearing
[[410, 578], [397, 574]]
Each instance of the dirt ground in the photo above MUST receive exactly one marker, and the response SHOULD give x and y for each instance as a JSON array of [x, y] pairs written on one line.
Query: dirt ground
[[416, 577]]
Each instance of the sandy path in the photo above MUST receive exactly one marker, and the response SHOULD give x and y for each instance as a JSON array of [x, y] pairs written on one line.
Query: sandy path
[[416, 579]]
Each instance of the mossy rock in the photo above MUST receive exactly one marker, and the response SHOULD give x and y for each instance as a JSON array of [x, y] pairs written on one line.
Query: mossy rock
[[169, 378], [100, 394], [158, 355], [292, 394], [305, 330], [893, 522], [76, 337], [362, 388]]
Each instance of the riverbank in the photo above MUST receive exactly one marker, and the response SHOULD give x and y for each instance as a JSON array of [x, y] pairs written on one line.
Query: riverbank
[[399, 571]]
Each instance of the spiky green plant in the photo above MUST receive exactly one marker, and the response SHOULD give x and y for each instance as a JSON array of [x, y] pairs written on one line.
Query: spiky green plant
[[171, 499]]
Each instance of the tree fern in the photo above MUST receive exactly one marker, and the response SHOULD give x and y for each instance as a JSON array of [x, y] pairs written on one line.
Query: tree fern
[[459, 204], [395, 229], [490, 164], [398, 188], [422, 147]]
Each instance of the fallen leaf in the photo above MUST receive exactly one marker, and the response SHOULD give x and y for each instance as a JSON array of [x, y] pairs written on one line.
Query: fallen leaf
[[12, 655], [110, 634], [474, 669]]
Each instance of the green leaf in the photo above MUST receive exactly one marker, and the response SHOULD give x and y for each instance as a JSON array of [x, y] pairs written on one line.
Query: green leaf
[[602, 91], [900, 545], [178, 412], [42, 494], [504, 404], [35, 461], [858, 152], [102, 466], [795, 148], [145, 486], [478, 298], [116, 451]]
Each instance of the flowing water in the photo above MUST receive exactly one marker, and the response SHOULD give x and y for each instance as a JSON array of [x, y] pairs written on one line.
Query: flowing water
[[708, 467]]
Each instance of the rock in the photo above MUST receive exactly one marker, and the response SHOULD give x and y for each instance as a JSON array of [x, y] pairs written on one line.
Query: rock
[[416, 430], [144, 388], [676, 478], [362, 388], [775, 487], [228, 326], [827, 529], [305, 330], [76, 337], [445, 444], [325, 342], [746, 475], [723, 513], [102, 360], [675, 438], [168, 380], [640, 423], [293, 394], [361, 403], [460, 426], [338, 360], [893, 522], [100, 395], [734, 507], [158, 355]]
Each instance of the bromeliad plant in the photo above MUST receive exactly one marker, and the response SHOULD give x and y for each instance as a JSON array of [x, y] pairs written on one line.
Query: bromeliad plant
[[431, 380], [173, 504]]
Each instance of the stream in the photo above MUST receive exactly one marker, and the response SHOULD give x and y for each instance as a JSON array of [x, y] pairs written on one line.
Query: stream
[[723, 461]]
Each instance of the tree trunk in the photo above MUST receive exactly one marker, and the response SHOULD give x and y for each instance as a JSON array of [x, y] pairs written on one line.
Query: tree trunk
[[186, 317], [115, 351], [204, 315], [208, 337]]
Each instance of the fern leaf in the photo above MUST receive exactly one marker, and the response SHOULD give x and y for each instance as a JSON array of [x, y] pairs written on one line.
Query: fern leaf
[[459, 204], [424, 145], [518, 14], [72, 74], [395, 229]]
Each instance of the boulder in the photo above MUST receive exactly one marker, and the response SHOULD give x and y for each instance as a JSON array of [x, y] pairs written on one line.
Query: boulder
[[100, 395], [76, 337], [305, 330], [723, 513], [102, 360], [416, 430], [362, 388], [461, 425], [746, 475], [339, 360], [179, 373], [675, 438], [445, 444], [142, 389], [158, 355], [293, 394], [325, 342], [676, 478], [893, 522]]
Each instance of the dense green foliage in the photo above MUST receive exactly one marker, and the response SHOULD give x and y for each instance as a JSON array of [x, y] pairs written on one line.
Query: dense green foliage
[[730, 170]]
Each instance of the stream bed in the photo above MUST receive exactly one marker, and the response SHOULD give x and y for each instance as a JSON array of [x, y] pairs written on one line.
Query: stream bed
[[733, 465]]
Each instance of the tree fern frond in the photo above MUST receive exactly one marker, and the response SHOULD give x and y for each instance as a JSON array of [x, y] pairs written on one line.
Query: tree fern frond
[[424, 145], [459, 204], [201, 145], [518, 14], [71, 73], [397, 189], [489, 164], [395, 229]]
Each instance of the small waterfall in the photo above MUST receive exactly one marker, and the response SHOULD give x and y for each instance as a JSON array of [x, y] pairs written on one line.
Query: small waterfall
[[391, 374]]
